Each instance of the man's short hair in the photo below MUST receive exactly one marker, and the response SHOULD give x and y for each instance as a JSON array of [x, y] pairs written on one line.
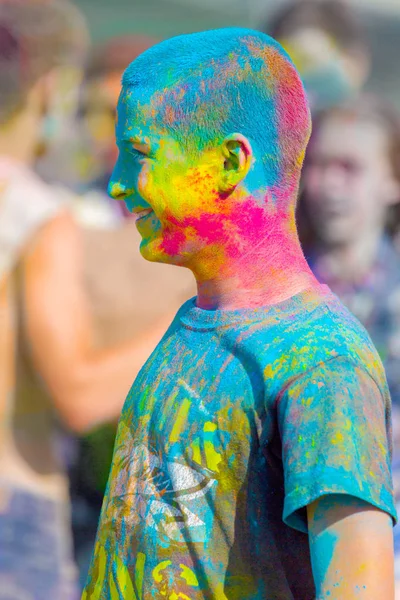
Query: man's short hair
[[204, 86], [35, 37]]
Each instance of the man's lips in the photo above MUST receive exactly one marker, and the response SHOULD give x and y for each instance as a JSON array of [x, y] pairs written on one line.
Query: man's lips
[[142, 213]]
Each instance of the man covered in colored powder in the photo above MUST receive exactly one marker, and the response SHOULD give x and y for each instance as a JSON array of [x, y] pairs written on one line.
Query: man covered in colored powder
[[252, 459]]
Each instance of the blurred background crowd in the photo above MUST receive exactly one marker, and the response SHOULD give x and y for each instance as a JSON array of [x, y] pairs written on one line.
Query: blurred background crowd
[[80, 310]]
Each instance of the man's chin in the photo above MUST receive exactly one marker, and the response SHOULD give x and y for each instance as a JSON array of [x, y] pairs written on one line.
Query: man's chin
[[151, 251]]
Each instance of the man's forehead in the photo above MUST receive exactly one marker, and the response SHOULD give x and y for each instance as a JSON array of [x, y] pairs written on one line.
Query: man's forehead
[[136, 114], [135, 99]]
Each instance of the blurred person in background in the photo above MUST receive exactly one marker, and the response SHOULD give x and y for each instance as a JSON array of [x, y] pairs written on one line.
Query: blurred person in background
[[97, 111], [351, 189], [82, 158], [48, 363], [124, 290], [395, 228], [326, 42]]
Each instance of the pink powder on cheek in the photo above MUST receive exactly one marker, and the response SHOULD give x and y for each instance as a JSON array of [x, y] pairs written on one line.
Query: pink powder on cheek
[[205, 228], [208, 229], [245, 228], [173, 244], [248, 220]]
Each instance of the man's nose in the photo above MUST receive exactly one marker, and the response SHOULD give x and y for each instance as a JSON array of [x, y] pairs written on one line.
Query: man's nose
[[117, 190]]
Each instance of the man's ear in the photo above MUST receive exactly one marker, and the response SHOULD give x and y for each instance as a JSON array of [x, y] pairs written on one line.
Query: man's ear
[[238, 158]]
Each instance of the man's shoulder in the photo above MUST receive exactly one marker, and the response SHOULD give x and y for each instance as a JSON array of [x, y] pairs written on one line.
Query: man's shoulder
[[315, 337], [337, 322], [340, 333]]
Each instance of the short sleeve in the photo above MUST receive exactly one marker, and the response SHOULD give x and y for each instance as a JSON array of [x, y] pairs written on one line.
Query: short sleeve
[[335, 430]]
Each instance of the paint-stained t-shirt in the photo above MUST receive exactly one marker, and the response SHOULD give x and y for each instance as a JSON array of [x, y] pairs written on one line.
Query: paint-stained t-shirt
[[236, 423]]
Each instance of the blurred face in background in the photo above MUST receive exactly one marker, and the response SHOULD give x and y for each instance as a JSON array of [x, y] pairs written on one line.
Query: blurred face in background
[[42, 50], [99, 98], [98, 110], [348, 183], [59, 102]]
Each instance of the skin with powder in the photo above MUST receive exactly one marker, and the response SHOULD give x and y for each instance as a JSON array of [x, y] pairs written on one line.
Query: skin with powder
[[214, 190]]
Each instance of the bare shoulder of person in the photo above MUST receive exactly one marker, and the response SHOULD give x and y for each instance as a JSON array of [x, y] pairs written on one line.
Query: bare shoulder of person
[[59, 232]]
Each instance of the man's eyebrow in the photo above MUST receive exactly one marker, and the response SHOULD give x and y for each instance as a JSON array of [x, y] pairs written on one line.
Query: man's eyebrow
[[133, 139], [136, 140]]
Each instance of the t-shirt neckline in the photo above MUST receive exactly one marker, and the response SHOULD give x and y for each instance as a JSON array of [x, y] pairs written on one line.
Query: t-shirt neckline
[[193, 317]]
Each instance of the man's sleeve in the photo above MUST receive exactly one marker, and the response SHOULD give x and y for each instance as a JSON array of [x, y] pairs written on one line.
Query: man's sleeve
[[336, 439]]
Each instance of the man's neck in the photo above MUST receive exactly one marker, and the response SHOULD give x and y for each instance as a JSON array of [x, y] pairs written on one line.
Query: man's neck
[[262, 274], [350, 261]]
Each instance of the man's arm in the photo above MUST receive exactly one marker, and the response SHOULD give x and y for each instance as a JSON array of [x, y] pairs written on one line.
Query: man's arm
[[88, 387], [351, 545]]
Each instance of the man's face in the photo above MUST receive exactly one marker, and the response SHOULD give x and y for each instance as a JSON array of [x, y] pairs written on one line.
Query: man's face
[[346, 179], [176, 189]]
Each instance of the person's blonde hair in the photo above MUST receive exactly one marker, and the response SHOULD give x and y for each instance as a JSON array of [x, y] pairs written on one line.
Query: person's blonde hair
[[35, 37]]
